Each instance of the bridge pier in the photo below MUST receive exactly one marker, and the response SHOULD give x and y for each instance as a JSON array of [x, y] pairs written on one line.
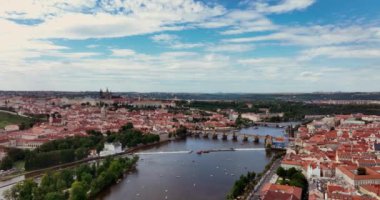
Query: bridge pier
[[257, 140], [205, 135], [245, 138], [214, 136], [234, 137], [224, 137]]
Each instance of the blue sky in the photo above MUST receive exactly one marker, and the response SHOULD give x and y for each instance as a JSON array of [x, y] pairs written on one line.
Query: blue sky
[[190, 45]]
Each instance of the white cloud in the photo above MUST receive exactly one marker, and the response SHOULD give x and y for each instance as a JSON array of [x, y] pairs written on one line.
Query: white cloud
[[71, 55], [284, 6], [122, 52], [83, 20], [180, 45], [270, 68], [176, 54], [309, 76], [272, 61], [164, 38], [230, 48], [24, 46], [70, 21], [251, 26], [317, 35], [239, 21], [341, 52], [137, 17], [174, 41]]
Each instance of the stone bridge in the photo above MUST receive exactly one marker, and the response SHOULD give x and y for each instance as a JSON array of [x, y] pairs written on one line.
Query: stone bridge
[[231, 135]]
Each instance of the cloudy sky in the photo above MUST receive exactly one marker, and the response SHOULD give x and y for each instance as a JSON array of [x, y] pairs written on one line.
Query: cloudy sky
[[190, 45]]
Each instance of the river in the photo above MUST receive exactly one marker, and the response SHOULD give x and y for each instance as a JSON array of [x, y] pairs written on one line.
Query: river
[[172, 171]]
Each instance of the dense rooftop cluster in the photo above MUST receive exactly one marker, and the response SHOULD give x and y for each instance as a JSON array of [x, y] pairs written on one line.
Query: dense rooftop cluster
[[339, 155], [74, 117]]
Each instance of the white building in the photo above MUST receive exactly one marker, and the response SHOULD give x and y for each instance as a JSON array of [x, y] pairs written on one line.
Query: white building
[[12, 127], [313, 170], [251, 116], [111, 148], [353, 121]]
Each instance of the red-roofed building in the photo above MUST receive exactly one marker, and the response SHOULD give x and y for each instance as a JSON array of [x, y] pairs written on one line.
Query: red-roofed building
[[371, 190], [280, 192], [349, 174]]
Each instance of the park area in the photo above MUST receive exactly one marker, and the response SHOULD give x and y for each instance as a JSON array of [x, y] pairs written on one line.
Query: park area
[[8, 119]]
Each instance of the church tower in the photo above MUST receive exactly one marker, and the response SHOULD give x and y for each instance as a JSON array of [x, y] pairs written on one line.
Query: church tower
[[103, 112], [101, 94]]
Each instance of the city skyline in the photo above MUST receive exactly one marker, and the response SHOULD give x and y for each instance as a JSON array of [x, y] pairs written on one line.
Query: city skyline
[[280, 46]]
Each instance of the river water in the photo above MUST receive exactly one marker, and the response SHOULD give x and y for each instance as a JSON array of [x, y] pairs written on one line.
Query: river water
[[172, 171]]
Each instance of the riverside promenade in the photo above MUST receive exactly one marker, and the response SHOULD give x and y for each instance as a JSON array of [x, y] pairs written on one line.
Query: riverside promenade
[[255, 193]]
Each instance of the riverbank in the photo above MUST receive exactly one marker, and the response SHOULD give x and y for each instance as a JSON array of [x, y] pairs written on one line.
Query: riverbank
[[266, 175], [248, 187]]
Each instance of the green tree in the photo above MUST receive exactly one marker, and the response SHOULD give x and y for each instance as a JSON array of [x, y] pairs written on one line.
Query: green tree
[[86, 179], [281, 172], [81, 153], [251, 175], [67, 177], [22, 126], [128, 126], [22, 191], [296, 183], [298, 176], [6, 163], [290, 172], [181, 132], [16, 154], [240, 185], [55, 196], [78, 191]]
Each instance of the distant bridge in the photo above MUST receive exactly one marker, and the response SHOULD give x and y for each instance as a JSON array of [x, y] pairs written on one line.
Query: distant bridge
[[229, 134], [190, 151], [270, 124]]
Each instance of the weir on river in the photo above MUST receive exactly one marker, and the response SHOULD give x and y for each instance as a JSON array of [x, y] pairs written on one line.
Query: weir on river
[[162, 152]]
